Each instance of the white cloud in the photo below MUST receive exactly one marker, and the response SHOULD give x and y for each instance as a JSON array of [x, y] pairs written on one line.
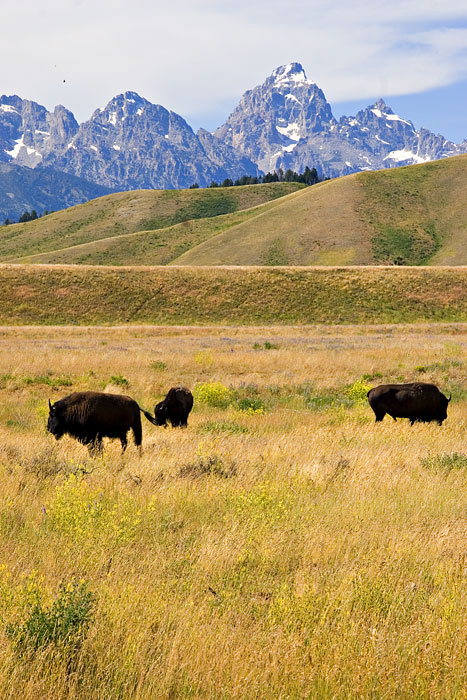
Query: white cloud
[[199, 57]]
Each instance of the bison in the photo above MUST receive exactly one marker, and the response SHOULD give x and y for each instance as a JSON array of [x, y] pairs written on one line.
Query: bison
[[418, 401], [90, 416], [175, 407]]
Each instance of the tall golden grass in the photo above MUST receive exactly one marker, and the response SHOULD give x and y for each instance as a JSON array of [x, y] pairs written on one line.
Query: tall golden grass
[[288, 552]]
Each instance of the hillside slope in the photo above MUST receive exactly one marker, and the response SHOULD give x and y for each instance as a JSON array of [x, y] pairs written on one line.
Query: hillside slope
[[416, 215], [127, 212], [413, 215]]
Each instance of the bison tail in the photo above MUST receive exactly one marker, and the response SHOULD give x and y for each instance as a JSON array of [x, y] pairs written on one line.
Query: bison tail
[[147, 415]]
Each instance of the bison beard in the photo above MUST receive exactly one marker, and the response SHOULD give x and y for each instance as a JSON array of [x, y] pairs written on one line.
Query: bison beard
[[174, 408], [90, 416], [418, 401]]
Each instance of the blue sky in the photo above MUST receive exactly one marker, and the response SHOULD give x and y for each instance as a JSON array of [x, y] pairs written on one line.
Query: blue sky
[[198, 57]]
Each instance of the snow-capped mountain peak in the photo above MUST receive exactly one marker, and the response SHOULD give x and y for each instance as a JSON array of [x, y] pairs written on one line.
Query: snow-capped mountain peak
[[286, 122], [291, 75], [273, 118]]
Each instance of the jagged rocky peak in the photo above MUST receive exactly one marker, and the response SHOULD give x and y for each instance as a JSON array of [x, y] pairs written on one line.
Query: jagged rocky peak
[[132, 143], [293, 74], [28, 132], [272, 118], [379, 114], [122, 106]]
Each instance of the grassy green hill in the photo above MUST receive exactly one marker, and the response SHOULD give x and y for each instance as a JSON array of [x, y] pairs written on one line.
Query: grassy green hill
[[93, 295], [127, 212], [415, 215]]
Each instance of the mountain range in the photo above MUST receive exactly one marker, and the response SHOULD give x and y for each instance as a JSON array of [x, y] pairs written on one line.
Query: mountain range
[[284, 123]]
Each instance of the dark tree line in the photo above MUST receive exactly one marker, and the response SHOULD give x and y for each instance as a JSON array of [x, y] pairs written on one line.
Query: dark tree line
[[26, 216], [308, 177]]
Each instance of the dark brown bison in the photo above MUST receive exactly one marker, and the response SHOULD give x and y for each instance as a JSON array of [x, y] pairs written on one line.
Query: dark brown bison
[[90, 416], [175, 407], [418, 402]]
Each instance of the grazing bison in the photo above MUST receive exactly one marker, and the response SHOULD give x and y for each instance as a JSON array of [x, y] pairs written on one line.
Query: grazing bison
[[90, 416], [418, 402], [175, 407]]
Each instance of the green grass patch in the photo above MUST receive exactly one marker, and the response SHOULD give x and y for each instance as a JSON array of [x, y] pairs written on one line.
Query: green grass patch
[[445, 462], [222, 426]]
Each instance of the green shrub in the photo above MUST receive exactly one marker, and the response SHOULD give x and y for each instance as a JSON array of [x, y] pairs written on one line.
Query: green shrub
[[46, 379], [119, 380], [266, 346], [64, 623], [250, 405], [372, 376]]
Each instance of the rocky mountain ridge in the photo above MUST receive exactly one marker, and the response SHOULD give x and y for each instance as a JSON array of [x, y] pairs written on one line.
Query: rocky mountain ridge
[[287, 123], [129, 144], [284, 123]]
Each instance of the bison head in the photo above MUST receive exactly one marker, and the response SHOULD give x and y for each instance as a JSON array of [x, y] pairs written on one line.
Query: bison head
[[54, 424], [442, 413], [161, 413]]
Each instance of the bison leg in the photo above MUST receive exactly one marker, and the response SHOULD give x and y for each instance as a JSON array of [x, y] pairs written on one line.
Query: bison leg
[[124, 442], [379, 417]]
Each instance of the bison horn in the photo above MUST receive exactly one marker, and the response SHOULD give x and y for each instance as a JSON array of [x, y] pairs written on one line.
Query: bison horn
[[450, 397], [50, 406]]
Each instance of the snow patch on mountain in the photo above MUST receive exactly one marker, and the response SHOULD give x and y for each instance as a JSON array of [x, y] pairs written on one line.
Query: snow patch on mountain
[[404, 155], [29, 155], [292, 131]]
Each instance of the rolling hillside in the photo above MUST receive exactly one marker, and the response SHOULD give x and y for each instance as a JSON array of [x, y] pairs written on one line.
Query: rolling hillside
[[411, 216], [127, 212], [415, 215]]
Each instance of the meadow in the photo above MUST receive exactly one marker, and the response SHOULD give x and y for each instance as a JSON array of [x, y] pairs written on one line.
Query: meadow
[[282, 547], [164, 295]]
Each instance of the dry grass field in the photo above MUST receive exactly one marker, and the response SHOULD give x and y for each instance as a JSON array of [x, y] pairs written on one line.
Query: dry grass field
[[98, 295], [282, 547]]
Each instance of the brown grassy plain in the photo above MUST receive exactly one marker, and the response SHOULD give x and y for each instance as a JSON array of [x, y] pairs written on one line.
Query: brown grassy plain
[[296, 550]]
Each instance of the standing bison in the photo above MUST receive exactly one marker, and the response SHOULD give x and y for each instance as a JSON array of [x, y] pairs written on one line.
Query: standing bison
[[175, 407], [418, 402], [90, 416]]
